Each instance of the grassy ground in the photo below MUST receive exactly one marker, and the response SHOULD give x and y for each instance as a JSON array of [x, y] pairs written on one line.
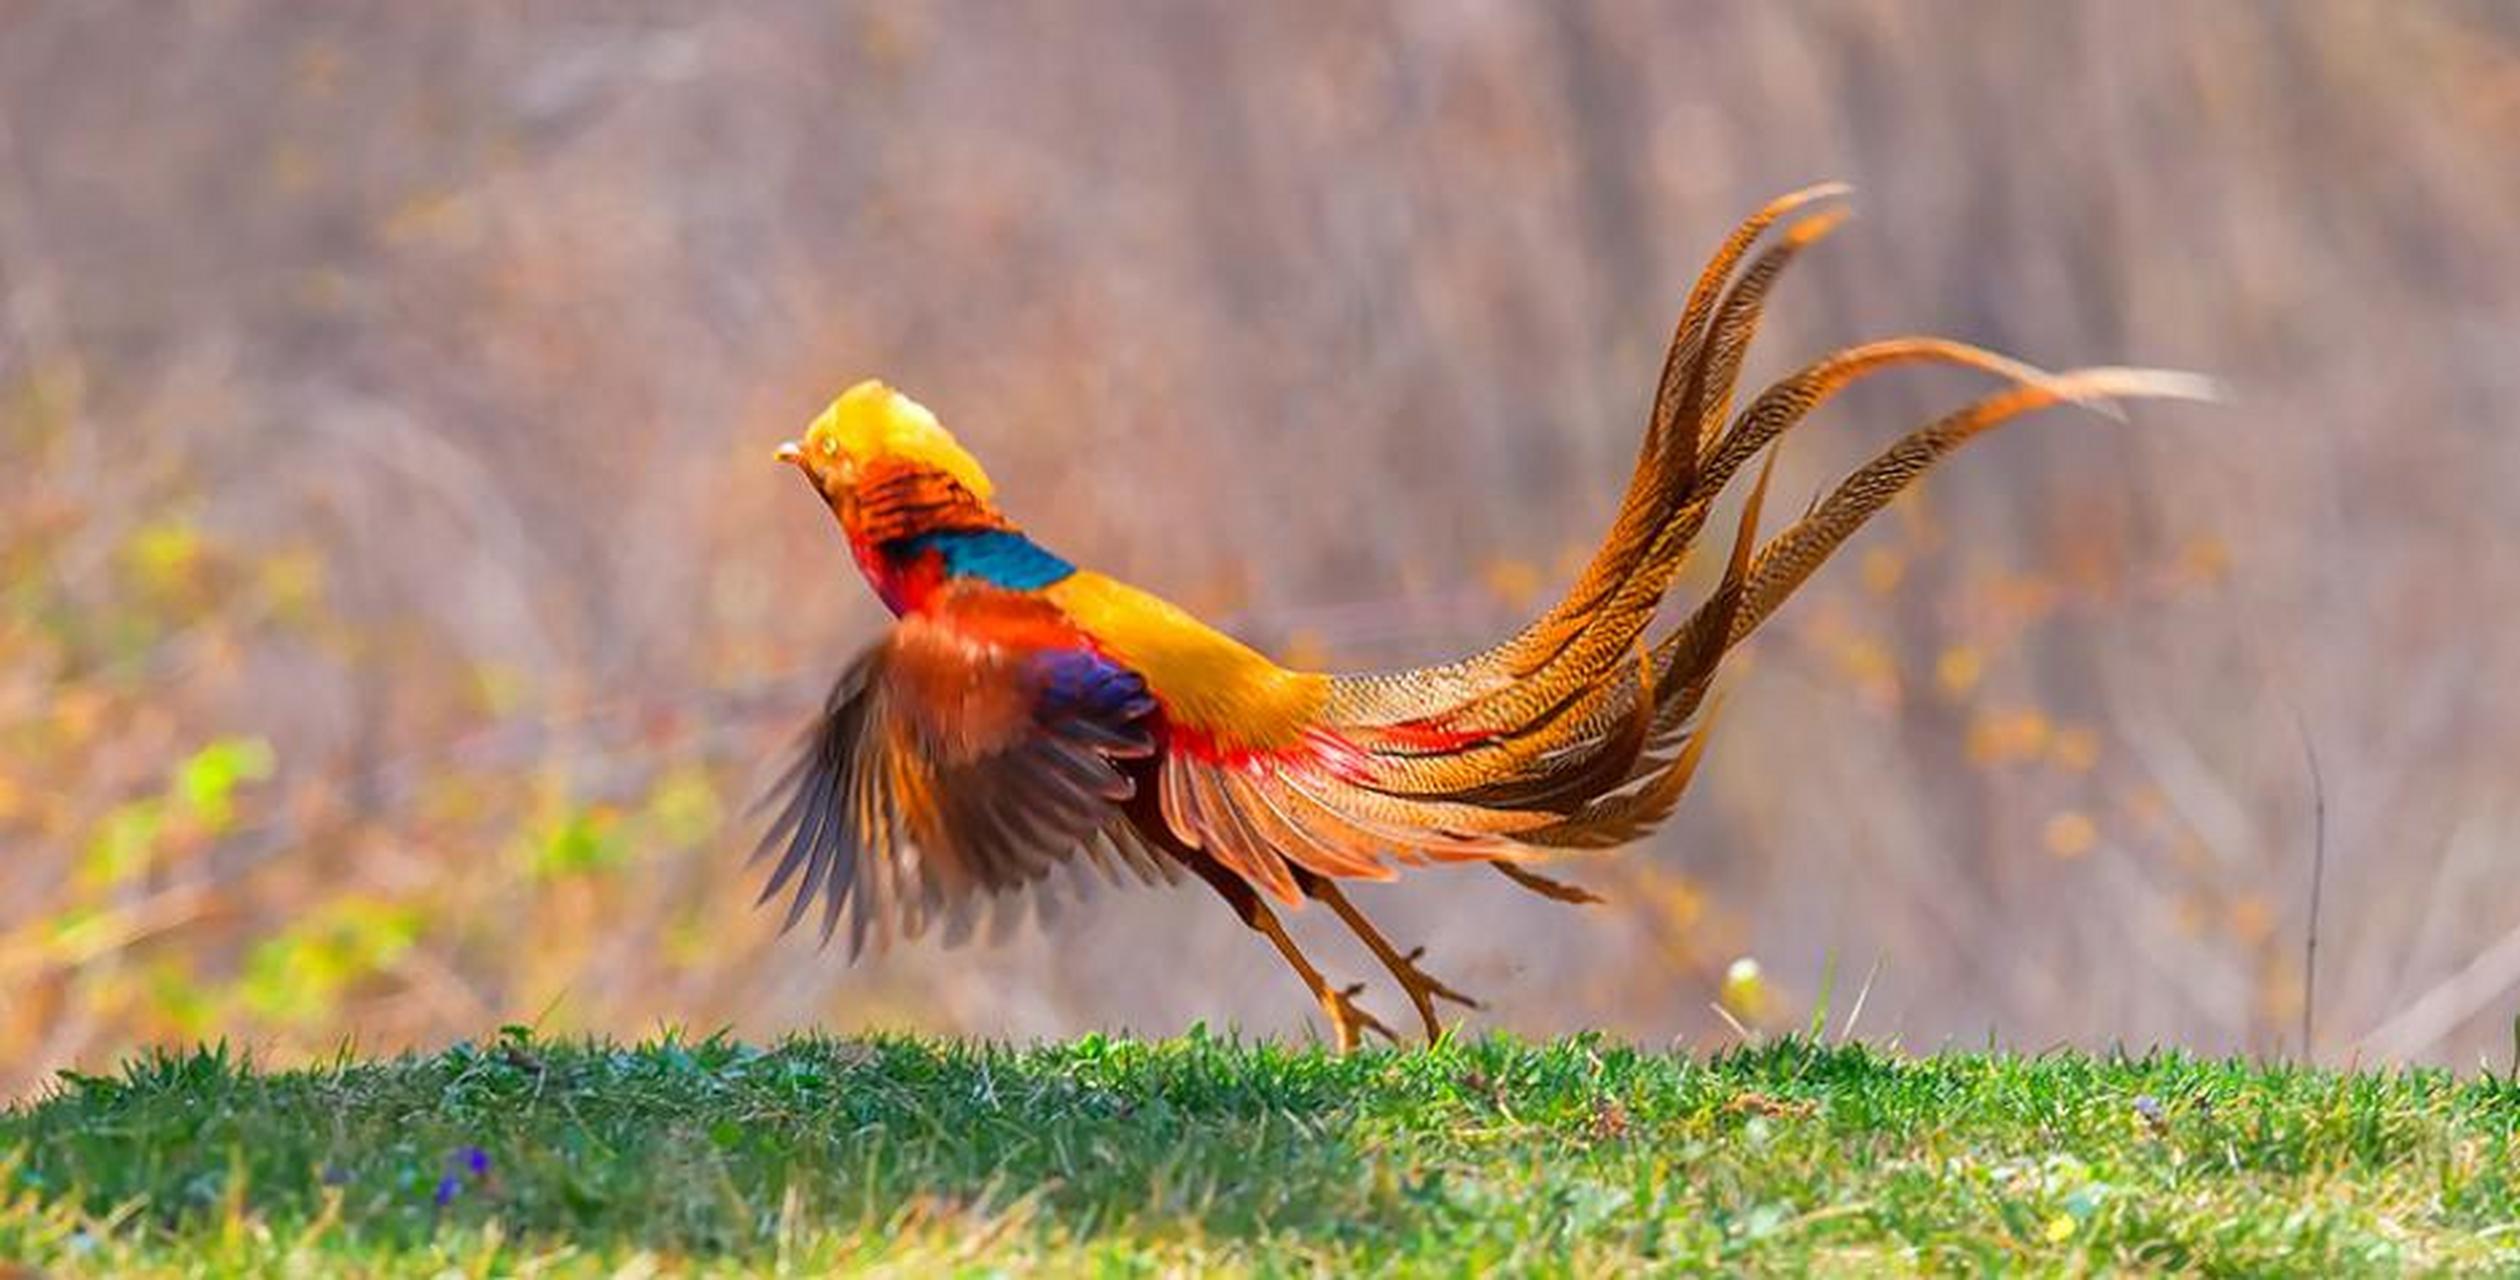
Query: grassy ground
[[1203, 1154]]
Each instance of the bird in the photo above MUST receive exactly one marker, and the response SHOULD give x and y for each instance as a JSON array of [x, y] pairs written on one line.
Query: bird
[[1023, 715]]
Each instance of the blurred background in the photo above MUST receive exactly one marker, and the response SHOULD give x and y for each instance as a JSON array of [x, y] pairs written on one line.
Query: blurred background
[[399, 607]]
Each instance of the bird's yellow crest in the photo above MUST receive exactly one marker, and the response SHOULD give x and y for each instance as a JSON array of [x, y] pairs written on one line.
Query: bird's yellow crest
[[871, 421]]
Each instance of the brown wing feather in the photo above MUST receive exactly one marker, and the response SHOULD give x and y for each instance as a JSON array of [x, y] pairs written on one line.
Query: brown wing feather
[[935, 774]]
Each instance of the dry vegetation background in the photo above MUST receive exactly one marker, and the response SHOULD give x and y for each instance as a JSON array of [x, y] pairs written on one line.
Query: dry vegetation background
[[398, 604]]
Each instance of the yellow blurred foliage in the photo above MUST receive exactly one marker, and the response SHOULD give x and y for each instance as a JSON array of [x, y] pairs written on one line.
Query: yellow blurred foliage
[[2070, 834], [2008, 735], [2250, 918], [1515, 583], [1959, 668], [2074, 748]]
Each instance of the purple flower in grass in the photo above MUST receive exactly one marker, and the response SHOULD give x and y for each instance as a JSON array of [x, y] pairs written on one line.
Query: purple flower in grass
[[464, 1164]]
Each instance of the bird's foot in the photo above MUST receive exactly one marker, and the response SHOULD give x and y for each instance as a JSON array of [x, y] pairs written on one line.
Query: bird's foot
[[1424, 989], [1348, 1022]]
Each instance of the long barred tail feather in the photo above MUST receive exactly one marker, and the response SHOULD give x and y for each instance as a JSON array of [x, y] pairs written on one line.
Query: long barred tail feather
[[1579, 731]]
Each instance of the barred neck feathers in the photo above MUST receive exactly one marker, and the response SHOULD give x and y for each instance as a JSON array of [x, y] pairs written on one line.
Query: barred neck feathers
[[914, 529], [894, 499]]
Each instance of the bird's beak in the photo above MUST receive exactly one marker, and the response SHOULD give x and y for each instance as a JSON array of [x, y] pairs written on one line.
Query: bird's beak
[[790, 453]]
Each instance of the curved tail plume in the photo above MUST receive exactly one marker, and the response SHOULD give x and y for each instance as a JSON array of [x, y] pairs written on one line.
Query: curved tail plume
[[1582, 724]]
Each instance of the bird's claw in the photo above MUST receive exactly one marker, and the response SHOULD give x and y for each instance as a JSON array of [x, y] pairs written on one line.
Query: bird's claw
[[1417, 979], [1348, 1021]]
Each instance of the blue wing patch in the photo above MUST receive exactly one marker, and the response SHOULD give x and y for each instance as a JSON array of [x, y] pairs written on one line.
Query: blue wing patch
[[999, 557]]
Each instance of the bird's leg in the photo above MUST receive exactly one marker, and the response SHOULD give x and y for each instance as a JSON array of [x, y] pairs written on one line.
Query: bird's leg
[[1348, 1023], [1422, 987]]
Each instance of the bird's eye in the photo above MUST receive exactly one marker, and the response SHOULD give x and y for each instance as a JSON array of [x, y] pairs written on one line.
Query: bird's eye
[[830, 447]]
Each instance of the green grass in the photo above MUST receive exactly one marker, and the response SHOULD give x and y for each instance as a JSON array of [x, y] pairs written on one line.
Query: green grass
[[1202, 1153]]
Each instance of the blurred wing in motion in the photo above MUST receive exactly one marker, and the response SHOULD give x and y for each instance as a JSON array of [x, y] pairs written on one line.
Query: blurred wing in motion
[[968, 753]]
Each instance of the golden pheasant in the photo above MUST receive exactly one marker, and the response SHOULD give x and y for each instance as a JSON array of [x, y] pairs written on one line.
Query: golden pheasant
[[1023, 714]]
